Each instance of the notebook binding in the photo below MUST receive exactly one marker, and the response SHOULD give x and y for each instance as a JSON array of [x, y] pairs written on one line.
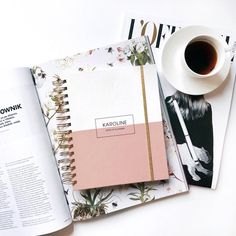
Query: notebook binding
[[63, 132]]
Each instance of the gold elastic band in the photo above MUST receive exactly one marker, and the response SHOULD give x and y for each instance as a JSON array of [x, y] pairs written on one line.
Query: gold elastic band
[[147, 124]]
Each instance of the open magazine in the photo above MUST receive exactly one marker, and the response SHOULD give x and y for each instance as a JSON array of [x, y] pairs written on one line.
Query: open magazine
[[36, 198], [207, 128], [32, 199]]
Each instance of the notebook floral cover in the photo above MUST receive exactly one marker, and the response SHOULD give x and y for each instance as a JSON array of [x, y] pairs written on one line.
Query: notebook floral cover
[[91, 203]]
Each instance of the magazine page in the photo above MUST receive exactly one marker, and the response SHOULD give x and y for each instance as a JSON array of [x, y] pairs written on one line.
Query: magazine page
[[208, 140], [32, 199], [92, 203]]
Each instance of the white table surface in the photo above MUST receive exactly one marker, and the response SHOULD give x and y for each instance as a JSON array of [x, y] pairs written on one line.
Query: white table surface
[[34, 31]]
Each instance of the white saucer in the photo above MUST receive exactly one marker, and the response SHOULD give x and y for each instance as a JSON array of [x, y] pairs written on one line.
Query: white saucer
[[172, 68]]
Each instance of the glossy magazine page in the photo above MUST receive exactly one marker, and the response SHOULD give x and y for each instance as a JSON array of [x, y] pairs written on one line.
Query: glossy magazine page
[[32, 198]]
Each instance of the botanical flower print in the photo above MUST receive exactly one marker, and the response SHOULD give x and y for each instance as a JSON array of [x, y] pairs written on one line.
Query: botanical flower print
[[92, 203], [137, 54], [39, 75], [142, 192], [65, 62]]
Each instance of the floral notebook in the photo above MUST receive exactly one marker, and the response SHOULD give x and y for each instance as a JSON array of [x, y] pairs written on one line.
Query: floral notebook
[[86, 204]]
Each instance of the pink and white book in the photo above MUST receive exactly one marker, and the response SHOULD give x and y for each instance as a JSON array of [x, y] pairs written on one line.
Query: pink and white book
[[116, 123]]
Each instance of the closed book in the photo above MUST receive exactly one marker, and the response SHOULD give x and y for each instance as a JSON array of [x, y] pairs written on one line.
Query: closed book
[[116, 123]]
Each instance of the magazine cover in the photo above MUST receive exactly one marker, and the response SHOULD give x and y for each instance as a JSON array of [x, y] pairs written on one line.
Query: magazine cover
[[202, 114], [92, 203]]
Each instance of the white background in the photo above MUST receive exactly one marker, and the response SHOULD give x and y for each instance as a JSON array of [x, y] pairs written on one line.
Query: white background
[[32, 32]]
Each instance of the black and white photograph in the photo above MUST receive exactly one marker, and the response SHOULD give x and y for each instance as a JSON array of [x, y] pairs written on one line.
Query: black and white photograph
[[197, 116], [201, 133]]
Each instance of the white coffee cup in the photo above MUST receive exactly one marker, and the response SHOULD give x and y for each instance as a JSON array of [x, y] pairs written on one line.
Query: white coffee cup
[[176, 70]]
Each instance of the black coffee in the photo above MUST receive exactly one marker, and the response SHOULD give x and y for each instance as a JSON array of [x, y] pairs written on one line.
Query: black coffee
[[201, 57]]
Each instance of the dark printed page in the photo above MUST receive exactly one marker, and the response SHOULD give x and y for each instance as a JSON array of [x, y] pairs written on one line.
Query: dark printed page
[[32, 201]]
